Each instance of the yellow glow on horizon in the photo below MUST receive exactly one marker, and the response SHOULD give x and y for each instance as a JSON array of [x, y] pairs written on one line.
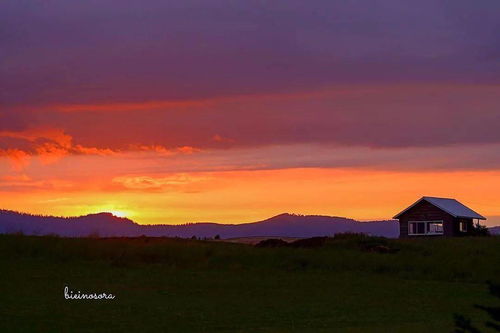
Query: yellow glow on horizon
[[117, 213], [120, 210], [249, 196]]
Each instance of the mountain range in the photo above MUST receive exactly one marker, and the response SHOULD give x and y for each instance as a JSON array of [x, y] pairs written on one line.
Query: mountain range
[[108, 225]]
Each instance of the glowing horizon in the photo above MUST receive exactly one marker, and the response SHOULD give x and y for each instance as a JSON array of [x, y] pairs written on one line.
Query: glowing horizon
[[217, 196]]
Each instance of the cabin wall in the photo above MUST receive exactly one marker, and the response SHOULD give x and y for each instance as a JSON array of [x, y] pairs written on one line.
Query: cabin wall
[[424, 211], [456, 227]]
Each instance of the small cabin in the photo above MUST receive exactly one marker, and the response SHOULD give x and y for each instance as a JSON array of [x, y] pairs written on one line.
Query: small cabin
[[431, 216]]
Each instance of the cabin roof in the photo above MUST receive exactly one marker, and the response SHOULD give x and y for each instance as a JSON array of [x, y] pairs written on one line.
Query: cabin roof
[[450, 206]]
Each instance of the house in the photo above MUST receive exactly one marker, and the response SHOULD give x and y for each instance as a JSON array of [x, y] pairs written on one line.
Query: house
[[431, 216]]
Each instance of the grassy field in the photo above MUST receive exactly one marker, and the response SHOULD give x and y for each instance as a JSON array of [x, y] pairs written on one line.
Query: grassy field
[[173, 285]]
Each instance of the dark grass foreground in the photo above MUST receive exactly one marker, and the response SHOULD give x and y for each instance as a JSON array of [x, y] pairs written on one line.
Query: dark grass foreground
[[170, 285]]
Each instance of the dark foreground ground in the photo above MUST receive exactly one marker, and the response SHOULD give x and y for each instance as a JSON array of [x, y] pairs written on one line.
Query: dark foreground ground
[[172, 285]]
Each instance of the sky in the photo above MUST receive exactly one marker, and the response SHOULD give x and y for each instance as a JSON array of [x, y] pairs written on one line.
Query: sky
[[234, 111]]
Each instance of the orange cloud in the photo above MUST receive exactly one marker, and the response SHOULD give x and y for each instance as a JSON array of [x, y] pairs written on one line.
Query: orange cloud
[[18, 159], [148, 183], [93, 151], [49, 145], [162, 150], [187, 149], [51, 152], [220, 138]]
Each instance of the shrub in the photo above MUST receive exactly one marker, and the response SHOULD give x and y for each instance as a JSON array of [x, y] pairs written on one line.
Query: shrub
[[309, 242], [480, 230], [272, 242], [349, 236]]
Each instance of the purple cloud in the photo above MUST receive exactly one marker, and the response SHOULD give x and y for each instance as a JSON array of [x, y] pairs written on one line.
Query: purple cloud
[[99, 51]]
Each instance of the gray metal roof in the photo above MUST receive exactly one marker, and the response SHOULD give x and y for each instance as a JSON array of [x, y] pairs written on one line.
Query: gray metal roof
[[451, 206]]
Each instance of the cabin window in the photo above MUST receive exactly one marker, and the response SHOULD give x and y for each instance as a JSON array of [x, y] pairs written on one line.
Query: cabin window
[[463, 226], [425, 228], [435, 228]]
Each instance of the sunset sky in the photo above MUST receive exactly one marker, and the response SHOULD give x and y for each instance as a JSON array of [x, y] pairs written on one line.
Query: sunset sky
[[234, 111]]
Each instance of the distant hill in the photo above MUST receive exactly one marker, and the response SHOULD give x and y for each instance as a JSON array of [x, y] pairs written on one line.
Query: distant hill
[[108, 225], [494, 230]]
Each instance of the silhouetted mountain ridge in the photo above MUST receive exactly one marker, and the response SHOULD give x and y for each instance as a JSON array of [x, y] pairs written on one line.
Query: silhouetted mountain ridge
[[494, 230], [108, 225]]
